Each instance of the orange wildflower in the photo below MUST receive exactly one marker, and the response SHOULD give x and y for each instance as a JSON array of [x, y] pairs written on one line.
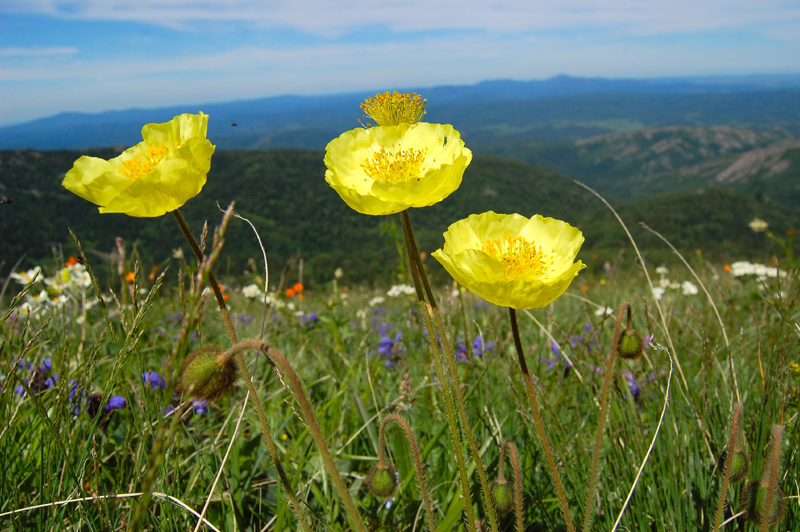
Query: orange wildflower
[[298, 287], [130, 277], [289, 292], [72, 261], [584, 288], [727, 268], [791, 232]]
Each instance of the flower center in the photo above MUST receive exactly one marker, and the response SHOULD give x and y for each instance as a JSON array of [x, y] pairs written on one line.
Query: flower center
[[144, 162], [391, 109], [520, 257], [395, 166]]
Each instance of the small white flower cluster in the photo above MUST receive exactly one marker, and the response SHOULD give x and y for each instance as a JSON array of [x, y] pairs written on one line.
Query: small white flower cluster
[[761, 271], [70, 281], [252, 291], [401, 289], [687, 288], [377, 300]]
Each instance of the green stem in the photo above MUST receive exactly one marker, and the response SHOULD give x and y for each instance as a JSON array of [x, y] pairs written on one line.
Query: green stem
[[733, 446], [240, 364], [595, 470], [543, 439], [426, 498], [286, 369], [454, 380], [425, 309], [518, 509]]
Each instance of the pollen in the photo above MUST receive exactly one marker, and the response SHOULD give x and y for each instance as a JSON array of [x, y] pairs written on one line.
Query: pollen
[[521, 258], [391, 109], [396, 166], [144, 162]]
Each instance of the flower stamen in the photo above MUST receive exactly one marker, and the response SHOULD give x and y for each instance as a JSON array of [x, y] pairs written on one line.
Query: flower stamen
[[391, 109], [520, 257], [144, 162], [395, 167]]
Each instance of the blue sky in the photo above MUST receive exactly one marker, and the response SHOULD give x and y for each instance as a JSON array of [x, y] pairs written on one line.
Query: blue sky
[[97, 55]]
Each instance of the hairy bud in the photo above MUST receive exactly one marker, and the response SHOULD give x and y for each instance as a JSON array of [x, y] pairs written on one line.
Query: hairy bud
[[382, 481], [754, 502], [503, 496], [207, 374], [630, 345]]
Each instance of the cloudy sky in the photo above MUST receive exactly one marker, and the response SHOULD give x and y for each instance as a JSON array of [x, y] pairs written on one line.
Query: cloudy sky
[[96, 55]]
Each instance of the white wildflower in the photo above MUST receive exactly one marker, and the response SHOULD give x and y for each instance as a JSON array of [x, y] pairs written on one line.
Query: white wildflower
[[377, 300], [338, 273], [658, 292], [400, 289], [689, 288], [662, 270], [758, 225], [252, 291], [27, 277], [604, 311]]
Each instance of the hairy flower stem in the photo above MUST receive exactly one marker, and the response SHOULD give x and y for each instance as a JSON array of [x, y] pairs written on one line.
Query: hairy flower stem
[[453, 371], [425, 309], [285, 369], [601, 424], [240, 364], [537, 416], [501, 477], [426, 498], [769, 475], [733, 446]]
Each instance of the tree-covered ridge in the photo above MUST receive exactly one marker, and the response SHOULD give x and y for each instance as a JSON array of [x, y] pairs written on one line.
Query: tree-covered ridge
[[650, 162], [284, 194]]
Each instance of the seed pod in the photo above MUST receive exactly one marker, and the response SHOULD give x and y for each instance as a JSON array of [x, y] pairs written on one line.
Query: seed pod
[[207, 374], [382, 481], [630, 345], [754, 502], [503, 496]]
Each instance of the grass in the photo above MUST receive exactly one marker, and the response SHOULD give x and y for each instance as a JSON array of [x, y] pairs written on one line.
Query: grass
[[65, 471]]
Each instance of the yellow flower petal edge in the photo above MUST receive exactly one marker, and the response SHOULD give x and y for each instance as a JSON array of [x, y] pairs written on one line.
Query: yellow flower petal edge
[[511, 260], [156, 176], [387, 169]]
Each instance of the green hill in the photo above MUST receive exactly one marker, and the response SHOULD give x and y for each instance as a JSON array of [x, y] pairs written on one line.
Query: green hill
[[283, 192], [650, 162]]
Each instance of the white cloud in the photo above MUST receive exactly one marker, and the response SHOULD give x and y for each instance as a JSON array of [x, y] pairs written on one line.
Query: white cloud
[[329, 18], [37, 52]]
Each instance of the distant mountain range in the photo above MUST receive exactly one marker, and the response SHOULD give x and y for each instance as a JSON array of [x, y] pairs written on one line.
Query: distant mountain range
[[559, 109]]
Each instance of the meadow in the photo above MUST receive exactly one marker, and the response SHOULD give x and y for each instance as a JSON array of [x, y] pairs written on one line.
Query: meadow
[[130, 405]]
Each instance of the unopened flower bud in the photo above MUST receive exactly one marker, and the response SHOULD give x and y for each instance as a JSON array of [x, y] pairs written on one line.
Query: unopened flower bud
[[740, 465], [630, 345], [207, 374], [503, 496], [754, 503], [382, 481]]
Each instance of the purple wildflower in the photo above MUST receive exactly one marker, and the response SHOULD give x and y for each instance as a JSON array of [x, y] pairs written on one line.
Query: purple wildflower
[[461, 350], [115, 402], [155, 380], [633, 386], [200, 407], [479, 347], [309, 320]]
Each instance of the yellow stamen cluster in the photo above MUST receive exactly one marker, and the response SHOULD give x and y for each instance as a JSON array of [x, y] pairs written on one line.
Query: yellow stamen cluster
[[142, 163], [395, 167], [520, 257], [392, 109]]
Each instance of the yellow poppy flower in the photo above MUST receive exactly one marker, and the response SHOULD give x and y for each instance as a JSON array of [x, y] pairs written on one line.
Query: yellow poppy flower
[[510, 260], [387, 169], [152, 178]]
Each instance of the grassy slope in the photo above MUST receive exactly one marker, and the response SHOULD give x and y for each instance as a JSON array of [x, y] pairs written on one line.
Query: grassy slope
[[284, 194]]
